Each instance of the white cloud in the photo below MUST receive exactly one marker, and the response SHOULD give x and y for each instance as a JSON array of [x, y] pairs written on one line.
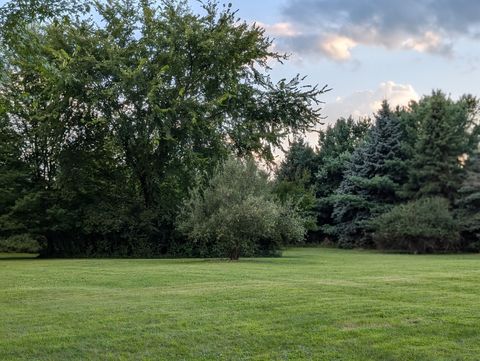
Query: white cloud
[[359, 105], [279, 29], [429, 42], [423, 26], [337, 47], [366, 103]]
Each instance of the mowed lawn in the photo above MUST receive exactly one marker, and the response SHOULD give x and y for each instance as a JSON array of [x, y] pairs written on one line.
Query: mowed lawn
[[311, 304]]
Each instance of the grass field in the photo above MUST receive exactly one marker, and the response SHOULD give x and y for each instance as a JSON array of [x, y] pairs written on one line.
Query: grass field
[[312, 304]]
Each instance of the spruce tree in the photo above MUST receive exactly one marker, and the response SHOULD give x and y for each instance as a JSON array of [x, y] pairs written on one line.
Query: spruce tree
[[299, 162], [295, 182], [371, 181], [446, 133], [336, 145]]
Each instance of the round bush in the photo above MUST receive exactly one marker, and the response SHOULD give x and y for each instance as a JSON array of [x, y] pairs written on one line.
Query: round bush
[[21, 243], [424, 225]]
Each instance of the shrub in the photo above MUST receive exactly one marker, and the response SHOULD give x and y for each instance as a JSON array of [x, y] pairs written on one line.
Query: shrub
[[237, 214], [470, 231], [420, 226], [21, 243]]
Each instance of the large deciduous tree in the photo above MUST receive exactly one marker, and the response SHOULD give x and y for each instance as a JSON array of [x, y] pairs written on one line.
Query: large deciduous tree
[[119, 112]]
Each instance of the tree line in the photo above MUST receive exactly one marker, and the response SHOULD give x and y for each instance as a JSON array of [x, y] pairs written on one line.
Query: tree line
[[408, 179], [130, 128], [111, 112]]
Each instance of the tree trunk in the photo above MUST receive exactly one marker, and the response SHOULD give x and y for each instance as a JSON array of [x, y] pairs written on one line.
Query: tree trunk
[[234, 254], [146, 190]]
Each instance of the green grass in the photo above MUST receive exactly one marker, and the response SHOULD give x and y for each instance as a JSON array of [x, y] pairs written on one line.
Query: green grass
[[312, 304], [17, 255]]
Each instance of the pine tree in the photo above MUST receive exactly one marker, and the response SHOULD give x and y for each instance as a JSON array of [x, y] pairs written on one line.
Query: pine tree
[[299, 163], [371, 181], [446, 132], [336, 145], [295, 179]]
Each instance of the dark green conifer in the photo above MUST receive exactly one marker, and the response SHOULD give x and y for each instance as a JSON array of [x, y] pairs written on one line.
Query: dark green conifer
[[371, 181], [446, 132], [468, 204]]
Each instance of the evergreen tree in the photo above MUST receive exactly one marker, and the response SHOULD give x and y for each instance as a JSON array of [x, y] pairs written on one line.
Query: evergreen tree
[[468, 204], [447, 131], [294, 182], [299, 163], [371, 181], [336, 145]]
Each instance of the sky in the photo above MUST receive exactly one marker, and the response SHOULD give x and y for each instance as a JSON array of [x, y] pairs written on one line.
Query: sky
[[370, 50]]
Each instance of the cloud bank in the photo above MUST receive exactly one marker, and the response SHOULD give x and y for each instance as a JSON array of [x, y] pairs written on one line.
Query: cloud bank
[[333, 28]]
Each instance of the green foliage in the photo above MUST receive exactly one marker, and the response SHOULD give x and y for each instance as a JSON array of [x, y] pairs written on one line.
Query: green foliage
[[424, 225], [299, 195], [294, 181], [21, 243], [13, 171], [299, 163], [237, 215], [371, 181], [110, 117], [336, 145], [15, 187], [468, 204], [447, 130], [110, 111]]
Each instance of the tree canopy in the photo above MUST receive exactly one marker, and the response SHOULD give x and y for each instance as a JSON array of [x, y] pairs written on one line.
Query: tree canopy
[[116, 113], [119, 119]]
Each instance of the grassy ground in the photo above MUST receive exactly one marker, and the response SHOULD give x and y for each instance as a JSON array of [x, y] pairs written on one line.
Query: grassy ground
[[312, 304]]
